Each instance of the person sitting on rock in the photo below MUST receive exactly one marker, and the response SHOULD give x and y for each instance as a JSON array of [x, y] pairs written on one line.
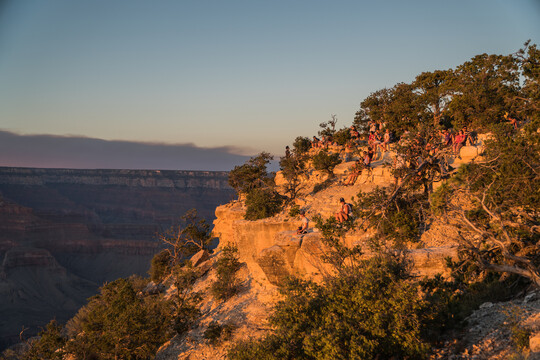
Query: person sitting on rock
[[459, 142], [356, 170], [305, 223], [346, 211]]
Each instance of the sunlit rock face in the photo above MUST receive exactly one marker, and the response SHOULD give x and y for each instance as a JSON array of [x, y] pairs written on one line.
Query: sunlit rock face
[[65, 232]]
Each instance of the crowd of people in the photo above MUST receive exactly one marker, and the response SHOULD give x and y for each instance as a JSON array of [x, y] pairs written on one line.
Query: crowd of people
[[411, 151]]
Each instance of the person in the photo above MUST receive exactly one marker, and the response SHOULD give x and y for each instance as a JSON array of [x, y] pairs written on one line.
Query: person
[[356, 170], [345, 212], [386, 140], [287, 152], [458, 142], [315, 143], [302, 229]]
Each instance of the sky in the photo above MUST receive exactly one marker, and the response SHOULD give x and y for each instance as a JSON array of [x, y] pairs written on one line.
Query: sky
[[233, 78]]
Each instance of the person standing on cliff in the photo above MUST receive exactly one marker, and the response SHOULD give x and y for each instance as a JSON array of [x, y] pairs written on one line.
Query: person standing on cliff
[[305, 223]]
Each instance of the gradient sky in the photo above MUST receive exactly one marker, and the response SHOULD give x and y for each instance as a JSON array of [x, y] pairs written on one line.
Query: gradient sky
[[248, 74]]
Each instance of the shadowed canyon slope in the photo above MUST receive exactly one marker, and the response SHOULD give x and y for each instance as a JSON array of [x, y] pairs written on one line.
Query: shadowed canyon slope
[[65, 232]]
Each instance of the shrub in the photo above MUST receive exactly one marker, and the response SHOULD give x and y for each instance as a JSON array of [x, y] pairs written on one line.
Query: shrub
[[49, 344], [160, 266], [370, 312], [216, 332], [326, 162], [226, 284], [262, 203], [342, 136], [185, 300], [117, 323], [301, 145], [294, 211]]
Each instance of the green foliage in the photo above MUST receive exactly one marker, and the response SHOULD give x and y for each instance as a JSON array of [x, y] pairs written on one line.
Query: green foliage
[[326, 162], [503, 202], [370, 312], [227, 265], [253, 174], [49, 345], [397, 222], [294, 211], [342, 136], [519, 334], [185, 301], [301, 145], [160, 266], [116, 323], [215, 333], [483, 89], [340, 256], [263, 203]]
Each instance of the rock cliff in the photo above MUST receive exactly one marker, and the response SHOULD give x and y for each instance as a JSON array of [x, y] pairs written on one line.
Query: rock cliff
[[69, 231]]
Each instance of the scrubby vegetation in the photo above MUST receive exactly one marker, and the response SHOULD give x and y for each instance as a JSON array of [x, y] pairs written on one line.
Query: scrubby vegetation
[[364, 307], [226, 284]]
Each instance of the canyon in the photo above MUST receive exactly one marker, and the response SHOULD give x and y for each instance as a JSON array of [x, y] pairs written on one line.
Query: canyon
[[64, 232]]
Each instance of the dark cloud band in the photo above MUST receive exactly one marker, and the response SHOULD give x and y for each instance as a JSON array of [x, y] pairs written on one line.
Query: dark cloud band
[[50, 151]]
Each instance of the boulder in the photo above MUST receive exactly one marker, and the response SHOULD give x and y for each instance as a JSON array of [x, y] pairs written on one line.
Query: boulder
[[199, 257], [273, 262], [534, 343]]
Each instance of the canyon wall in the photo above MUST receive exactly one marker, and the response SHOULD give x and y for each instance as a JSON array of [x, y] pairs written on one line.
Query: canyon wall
[[64, 232]]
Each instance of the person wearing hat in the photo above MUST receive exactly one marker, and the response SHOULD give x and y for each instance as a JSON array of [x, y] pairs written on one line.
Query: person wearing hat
[[345, 212], [305, 223]]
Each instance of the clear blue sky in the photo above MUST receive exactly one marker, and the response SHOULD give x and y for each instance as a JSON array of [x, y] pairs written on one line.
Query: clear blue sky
[[249, 74]]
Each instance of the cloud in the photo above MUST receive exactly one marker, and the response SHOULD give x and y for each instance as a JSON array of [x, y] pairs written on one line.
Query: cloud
[[77, 152]]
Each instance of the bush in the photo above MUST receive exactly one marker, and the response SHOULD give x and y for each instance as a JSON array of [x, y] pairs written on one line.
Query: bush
[[49, 344], [326, 162], [301, 145], [263, 203], [226, 284], [215, 333], [342, 136], [185, 301], [160, 266], [294, 211], [372, 311], [117, 323]]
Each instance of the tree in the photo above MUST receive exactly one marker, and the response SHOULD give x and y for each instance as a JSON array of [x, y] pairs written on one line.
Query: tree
[[326, 162], [484, 88], [293, 168], [434, 93], [186, 240], [496, 202], [529, 61], [328, 128], [253, 174]]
